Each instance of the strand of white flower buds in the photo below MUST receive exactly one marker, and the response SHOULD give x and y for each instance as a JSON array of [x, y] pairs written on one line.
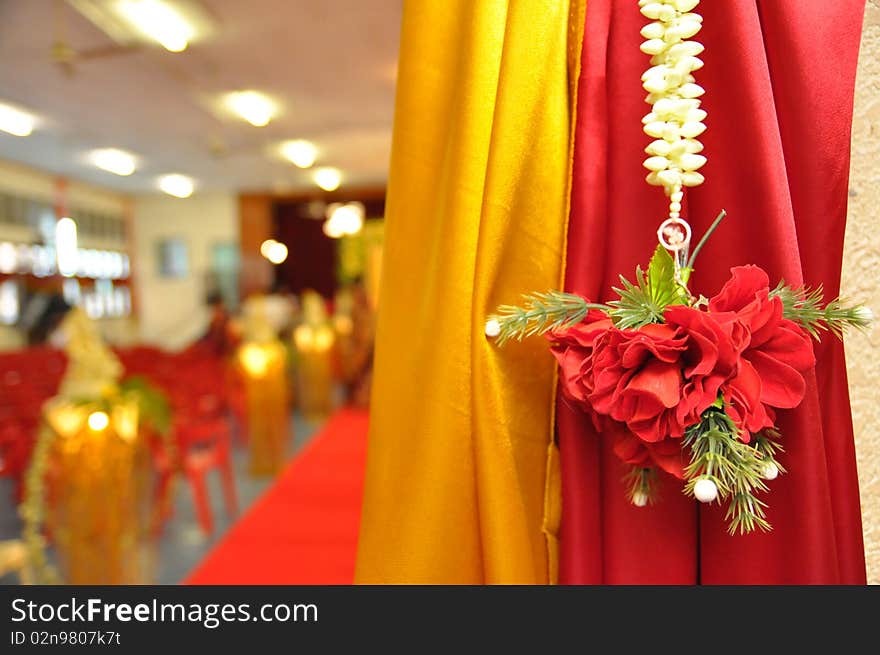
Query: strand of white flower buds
[[675, 120]]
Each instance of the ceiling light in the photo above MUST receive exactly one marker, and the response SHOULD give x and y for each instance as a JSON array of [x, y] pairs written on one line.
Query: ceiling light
[[159, 21], [302, 153], [114, 161], [253, 106], [179, 186], [344, 219], [328, 178], [276, 253], [15, 121]]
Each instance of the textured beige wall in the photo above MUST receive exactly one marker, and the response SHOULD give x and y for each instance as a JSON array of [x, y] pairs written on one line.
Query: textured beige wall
[[861, 280]]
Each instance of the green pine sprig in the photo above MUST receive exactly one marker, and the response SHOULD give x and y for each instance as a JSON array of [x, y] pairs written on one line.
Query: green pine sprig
[[644, 301], [736, 468], [541, 313], [641, 485], [804, 306], [766, 443]]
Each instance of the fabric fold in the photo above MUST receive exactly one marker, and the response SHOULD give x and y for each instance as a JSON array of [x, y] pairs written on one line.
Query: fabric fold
[[457, 473], [778, 154]]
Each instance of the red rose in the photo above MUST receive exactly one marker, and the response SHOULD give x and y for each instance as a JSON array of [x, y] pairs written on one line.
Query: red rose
[[665, 454], [636, 378], [776, 352], [714, 343], [573, 349]]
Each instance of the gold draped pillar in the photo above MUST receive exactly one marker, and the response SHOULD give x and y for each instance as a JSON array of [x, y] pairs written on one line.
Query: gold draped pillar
[[264, 369], [462, 480], [99, 507]]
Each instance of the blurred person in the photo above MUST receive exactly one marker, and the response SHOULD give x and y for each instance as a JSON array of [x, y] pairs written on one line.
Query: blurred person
[[219, 337], [354, 323], [41, 318]]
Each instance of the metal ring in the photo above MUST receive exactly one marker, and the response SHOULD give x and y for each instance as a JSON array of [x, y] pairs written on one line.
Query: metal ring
[[680, 223]]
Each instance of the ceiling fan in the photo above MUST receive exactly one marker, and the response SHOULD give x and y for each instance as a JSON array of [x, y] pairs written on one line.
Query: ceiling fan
[[66, 56]]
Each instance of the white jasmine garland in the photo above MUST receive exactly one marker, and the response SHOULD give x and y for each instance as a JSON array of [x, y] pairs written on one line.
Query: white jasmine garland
[[675, 120]]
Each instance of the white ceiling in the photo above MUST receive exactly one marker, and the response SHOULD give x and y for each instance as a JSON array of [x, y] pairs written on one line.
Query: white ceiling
[[331, 64]]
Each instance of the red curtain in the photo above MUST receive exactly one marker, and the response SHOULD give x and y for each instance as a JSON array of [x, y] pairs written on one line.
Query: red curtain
[[779, 77]]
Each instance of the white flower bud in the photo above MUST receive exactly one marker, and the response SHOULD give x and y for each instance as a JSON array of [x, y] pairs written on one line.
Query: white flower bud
[[653, 179], [665, 106], [671, 132], [705, 490], [656, 84], [656, 163], [653, 46], [653, 30], [691, 90], [652, 10], [685, 5], [667, 14], [658, 147], [655, 129], [493, 328], [770, 472], [671, 178], [689, 64], [691, 130], [685, 49], [864, 314], [691, 162], [687, 27], [692, 145], [695, 116], [655, 70], [692, 178], [640, 499]]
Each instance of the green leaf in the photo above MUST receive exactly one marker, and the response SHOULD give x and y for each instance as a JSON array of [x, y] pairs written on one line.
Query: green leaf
[[153, 403], [661, 276], [645, 301], [664, 289]]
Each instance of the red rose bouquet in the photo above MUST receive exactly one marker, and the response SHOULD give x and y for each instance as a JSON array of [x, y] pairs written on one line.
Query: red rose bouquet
[[688, 386]]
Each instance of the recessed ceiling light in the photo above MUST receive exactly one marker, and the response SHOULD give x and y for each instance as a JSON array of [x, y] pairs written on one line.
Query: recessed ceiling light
[[274, 251], [15, 121], [159, 21], [114, 161], [254, 107], [343, 219], [179, 186], [300, 152], [328, 178]]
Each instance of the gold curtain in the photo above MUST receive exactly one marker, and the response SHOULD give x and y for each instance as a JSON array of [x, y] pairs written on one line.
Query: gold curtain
[[462, 479]]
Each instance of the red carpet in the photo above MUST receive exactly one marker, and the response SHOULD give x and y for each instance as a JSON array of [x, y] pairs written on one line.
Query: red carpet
[[304, 529]]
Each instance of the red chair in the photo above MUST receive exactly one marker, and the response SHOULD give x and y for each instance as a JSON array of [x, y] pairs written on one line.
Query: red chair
[[203, 440]]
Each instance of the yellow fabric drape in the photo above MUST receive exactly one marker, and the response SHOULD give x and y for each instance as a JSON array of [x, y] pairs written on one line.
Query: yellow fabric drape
[[459, 486]]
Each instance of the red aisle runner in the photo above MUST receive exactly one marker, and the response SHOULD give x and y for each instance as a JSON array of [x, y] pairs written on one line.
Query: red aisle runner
[[304, 529]]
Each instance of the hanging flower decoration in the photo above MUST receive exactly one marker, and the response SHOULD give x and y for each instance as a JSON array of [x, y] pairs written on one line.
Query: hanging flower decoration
[[686, 386]]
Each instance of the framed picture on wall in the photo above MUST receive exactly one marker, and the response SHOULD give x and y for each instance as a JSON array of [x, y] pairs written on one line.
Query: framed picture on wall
[[173, 258]]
